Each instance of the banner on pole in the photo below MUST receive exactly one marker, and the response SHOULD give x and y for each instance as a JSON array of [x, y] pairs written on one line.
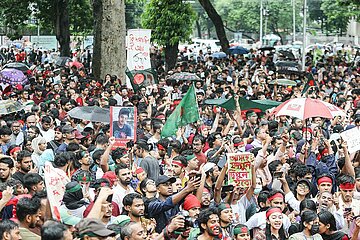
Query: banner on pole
[[240, 168], [138, 49]]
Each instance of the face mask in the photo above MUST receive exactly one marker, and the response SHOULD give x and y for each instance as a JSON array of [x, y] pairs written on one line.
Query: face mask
[[257, 190], [314, 229]]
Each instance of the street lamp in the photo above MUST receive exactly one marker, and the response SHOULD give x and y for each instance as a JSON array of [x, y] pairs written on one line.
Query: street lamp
[[304, 36]]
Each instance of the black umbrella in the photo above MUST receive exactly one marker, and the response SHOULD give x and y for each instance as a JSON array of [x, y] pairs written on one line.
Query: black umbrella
[[17, 65], [267, 49], [287, 54], [62, 61], [287, 67], [91, 113]]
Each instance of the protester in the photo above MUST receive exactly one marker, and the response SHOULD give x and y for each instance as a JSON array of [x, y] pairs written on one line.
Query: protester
[[169, 164]]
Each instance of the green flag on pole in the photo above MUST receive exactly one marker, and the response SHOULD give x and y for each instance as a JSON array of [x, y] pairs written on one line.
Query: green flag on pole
[[186, 112]]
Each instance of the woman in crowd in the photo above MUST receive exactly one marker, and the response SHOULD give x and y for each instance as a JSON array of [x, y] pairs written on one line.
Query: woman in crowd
[[328, 229], [309, 226], [274, 224]]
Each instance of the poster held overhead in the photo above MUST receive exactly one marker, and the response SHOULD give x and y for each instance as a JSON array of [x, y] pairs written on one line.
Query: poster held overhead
[[123, 125], [240, 168]]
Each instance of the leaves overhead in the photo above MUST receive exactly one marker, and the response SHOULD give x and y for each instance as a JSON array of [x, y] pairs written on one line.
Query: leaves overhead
[[171, 21]]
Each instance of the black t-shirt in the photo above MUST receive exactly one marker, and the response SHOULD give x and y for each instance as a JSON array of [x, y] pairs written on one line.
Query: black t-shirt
[[19, 176], [123, 132]]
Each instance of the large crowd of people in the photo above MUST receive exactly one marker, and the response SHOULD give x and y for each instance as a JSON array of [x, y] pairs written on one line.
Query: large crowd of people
[[304, 183]]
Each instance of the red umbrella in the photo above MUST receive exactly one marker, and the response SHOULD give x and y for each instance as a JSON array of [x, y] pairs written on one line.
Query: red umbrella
[[78, 65], [304, 108]]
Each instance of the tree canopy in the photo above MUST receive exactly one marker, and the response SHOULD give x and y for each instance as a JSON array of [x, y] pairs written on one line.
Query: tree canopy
[[171, 22]]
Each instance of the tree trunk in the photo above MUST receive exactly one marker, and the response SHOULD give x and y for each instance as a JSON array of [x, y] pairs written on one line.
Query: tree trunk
[[62, 27], [170, 56], [218, 23], [109, 39]]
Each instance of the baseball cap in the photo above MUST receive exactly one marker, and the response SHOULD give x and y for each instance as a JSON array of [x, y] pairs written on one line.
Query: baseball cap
[[67, 218], [303, 180], [93, 226], [208, 166], [78, 135], [164, 179], [67, 129], [121, 220]]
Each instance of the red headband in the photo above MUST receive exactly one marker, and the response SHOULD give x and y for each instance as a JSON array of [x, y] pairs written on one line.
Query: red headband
[[160, 147], [324, 179], [322, 153], [271, 211], [241, 144], [139, 170], [347, 186], [307, 129], [178, 163], [160, 116], [276, 195], [14, 150]]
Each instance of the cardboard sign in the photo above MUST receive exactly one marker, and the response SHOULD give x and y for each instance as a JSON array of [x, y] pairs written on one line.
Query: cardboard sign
[[138, 49], [123, 125], [240, 168], [55, 180], [352, 139]]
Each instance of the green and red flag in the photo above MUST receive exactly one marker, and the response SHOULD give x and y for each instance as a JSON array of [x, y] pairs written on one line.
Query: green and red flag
[[186, 112], [139, 78], [309, 83]]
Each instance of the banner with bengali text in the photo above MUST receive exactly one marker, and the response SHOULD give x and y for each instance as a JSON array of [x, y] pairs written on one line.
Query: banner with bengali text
[[239, 171], [55, 180], [138, 49]]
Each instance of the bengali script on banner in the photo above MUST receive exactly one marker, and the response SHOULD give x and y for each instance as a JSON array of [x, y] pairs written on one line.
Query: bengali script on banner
[[138, 49], [55, 180], [239, 172]]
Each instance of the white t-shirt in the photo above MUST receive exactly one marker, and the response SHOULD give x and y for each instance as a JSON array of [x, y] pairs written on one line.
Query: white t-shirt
[[119, 194], [239, 209]]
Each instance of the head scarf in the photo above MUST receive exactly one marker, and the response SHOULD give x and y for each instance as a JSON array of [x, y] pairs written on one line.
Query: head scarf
[[73, 197], [35, 144]]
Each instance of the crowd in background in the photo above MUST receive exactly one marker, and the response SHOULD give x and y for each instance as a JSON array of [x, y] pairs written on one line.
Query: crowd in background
[[305, 184]]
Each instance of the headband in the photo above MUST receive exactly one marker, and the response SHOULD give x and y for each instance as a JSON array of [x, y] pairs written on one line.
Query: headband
[[347, 186], [15, 149], [307, 129], [139, 170], [74, 189], [178, 163], [325, 150], [240, 230], [251, 114], [271, 211], [276, 195], [160, 147], [239, 144], [323, 180], [223, 206], [160, 116], [189, 157]]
